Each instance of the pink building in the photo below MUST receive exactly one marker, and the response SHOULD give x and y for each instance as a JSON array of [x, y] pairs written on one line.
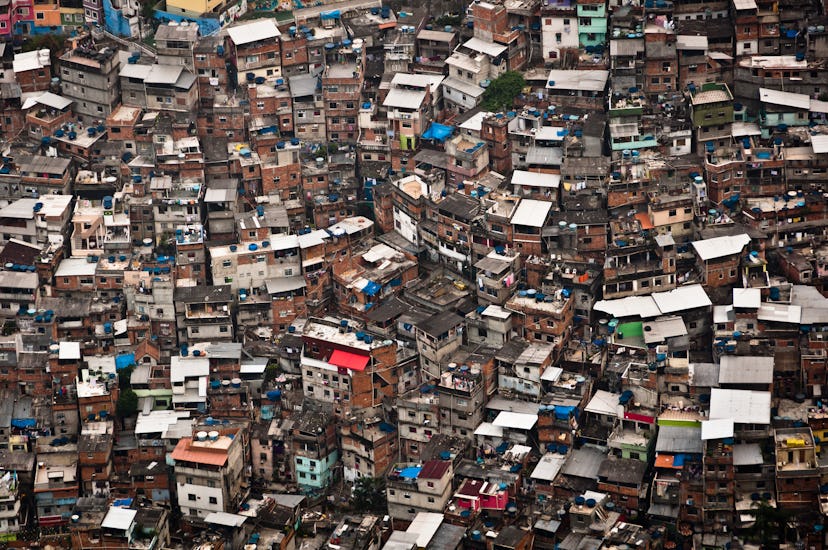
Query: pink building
[[5, 18], [478, 496]]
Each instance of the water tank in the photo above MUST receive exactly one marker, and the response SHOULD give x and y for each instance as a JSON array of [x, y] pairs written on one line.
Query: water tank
[[201, 436], [236, 382], [214, 435]]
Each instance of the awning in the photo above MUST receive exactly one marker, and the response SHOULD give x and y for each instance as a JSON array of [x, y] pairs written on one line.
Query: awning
[[437, 131], [372, 288], [639, 417], [22, 423], [348, 360], [666, 461], [333, 14]]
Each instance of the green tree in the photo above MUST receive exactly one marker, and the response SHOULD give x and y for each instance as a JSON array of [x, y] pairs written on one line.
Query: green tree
[[769, 527], [502, 91], [127, 403], [369, 494], [125, 376]]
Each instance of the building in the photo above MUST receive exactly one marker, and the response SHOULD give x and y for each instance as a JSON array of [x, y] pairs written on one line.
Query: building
[[209, 473], [90, 79], [413, 488]]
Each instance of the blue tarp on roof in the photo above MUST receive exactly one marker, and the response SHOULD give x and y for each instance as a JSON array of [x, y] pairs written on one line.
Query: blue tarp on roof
[[437, 131], [410, 472], [678, 460], [372, 288], [23, 423], [333, 14], [563, 412], [124, 360]]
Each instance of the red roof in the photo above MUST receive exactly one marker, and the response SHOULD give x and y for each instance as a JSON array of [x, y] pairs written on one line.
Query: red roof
[[185, 452], [434, 469], [470, 488], [348, 360], [644, 218], [639, 417]]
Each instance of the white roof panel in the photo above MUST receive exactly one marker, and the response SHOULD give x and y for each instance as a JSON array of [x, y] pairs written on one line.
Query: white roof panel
[[631, 306], [722, 314], [516, 421], [818, 106], [49, 100], [531, 213], [119, 518], [69, 350], [404, 99], [819, 143], [681, 299], [551, 374], [163, 74], [717, 429], [719, 55], [71, 267], [188, 367], [425, 525], [742, 129], [225, 519], [747, 454], [604, 402], [588, 81], [135, 71], [261, 29], [496, 312], [780, 313], [536, 179], [750, 298], [475, 122], [487, 429], [787, 99], [489, 48], [549, 133], [30, 61], [691, 42], [744, 4], [743, 406], [719, 247]]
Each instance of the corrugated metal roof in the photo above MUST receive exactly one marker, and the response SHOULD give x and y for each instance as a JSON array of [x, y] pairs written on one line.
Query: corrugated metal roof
[[584, 462], [679, 439], [742, 369]]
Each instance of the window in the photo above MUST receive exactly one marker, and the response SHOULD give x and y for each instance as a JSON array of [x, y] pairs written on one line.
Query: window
[[213, 500], [191, 497]]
